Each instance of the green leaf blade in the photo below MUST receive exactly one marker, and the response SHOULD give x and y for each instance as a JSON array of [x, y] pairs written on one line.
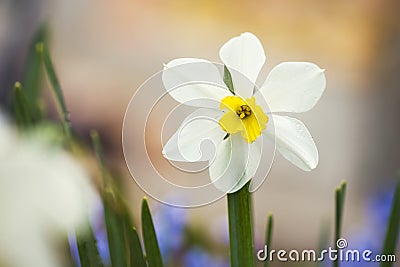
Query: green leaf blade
[[117, 219], [115, 232], [47, 62], [98, 150], [323, 242], [87, 248], [33, 73], [392, 231], [136, 251], [22, 111], [268, 235], [153, 253], [228, 80], [340, 194]]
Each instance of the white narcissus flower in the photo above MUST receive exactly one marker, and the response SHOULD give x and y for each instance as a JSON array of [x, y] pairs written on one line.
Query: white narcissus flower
[[243, 116], [43, 194]]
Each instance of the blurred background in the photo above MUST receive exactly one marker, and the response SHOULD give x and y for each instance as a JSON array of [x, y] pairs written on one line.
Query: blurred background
[[103, 51]]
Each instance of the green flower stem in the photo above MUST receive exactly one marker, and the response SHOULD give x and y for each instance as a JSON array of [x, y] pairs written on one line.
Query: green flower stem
[[240, 228]]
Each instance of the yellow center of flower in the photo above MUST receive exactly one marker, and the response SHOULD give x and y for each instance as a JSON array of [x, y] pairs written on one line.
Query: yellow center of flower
[[244, 116], [243, 111]]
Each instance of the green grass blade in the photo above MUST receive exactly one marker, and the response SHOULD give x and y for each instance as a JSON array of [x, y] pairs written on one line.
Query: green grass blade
[[115, 231], [87, 247], [392, 231], [135, 248], [26, 112], [240, 228], [33, 72], [107, 182], [98, 150], [228, 80], [43, 51], [22, 111], [133, 245], [149, 237], [323, 240], [114, 212], [340, 193], [268, 235]]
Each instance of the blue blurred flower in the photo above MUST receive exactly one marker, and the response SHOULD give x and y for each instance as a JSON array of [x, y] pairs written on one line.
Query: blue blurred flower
[[98, 225], [73, 247], [170, 223], [171, 228], [197, 257], [371, 235], [380, 205]]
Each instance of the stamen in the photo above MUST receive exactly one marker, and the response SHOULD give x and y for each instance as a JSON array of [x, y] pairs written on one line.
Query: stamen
[[243, 111]]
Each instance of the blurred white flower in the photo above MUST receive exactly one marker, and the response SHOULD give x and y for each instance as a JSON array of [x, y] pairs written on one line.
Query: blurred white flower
[[242, 116], [44, 194]]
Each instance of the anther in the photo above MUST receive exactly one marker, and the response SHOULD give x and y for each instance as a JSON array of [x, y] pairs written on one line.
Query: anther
[[243, 111]]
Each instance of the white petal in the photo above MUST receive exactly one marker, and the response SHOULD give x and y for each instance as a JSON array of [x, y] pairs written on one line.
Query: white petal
[[185, 144], [294, 142], [194, 82], [251, 162], [44, 193], [293, 87], [229, 165], [243, 54]]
